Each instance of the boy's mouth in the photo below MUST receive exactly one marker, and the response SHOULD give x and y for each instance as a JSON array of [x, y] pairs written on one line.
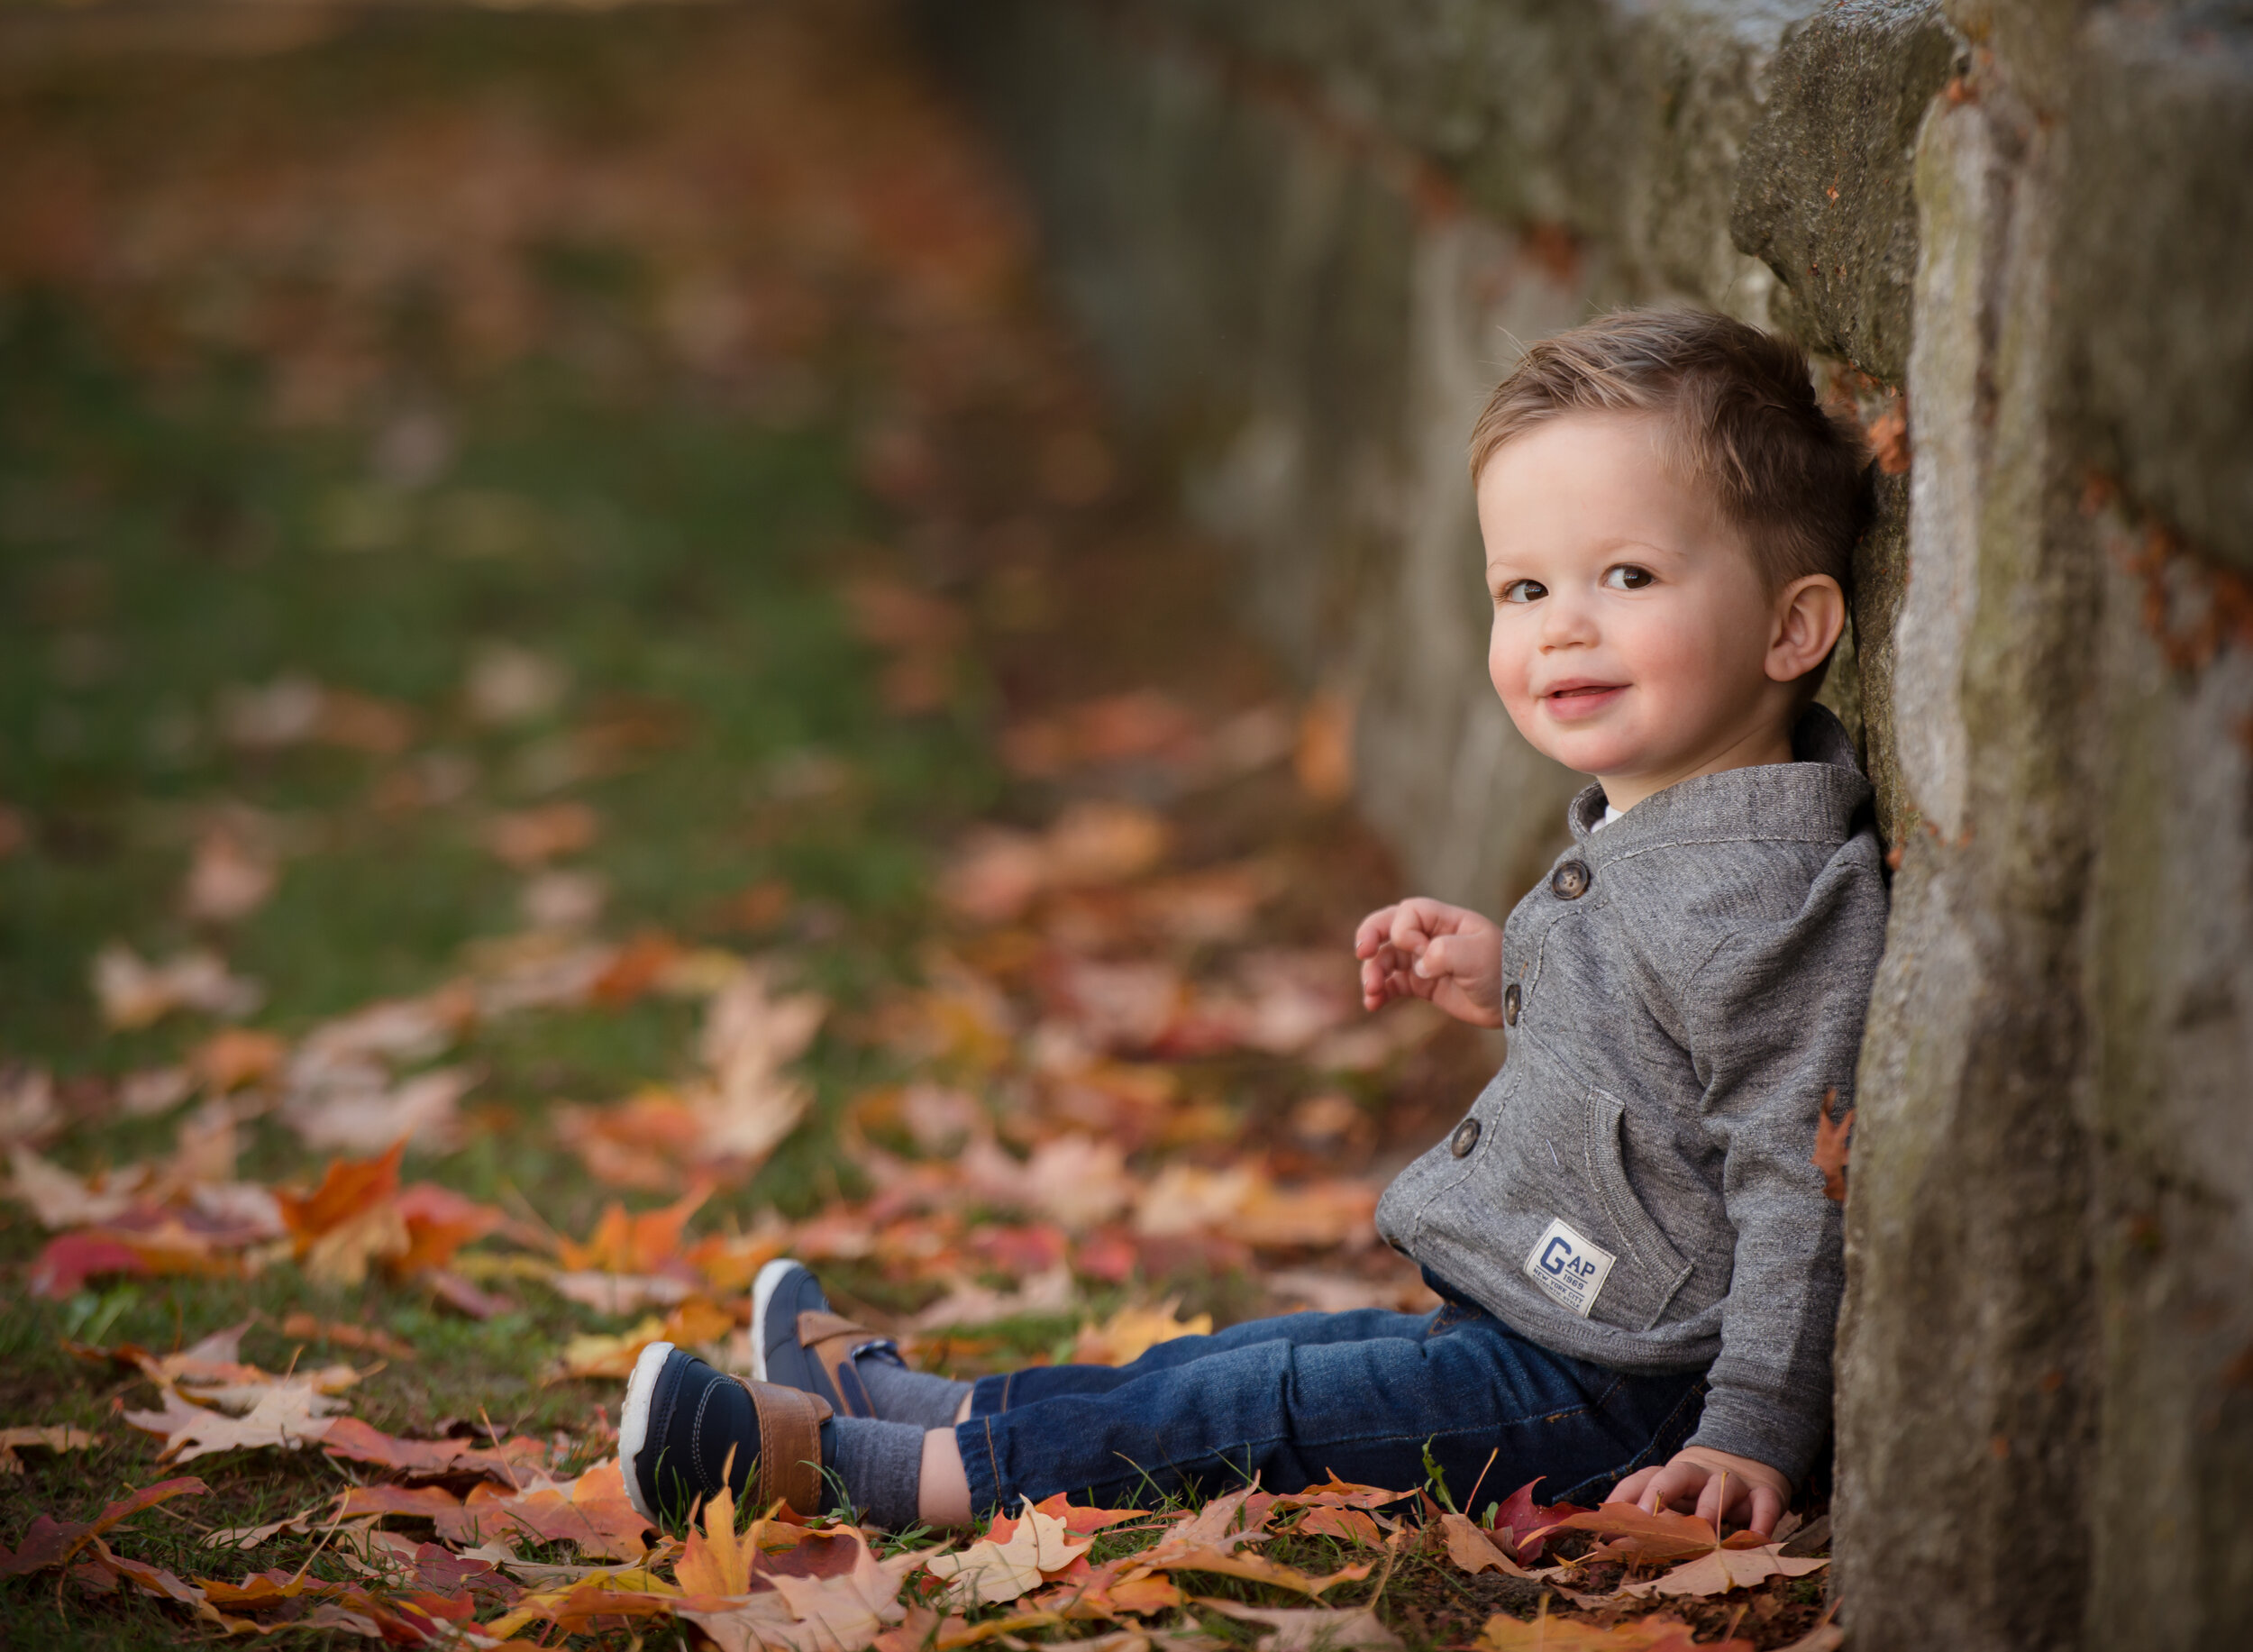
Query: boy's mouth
[[1576, 699]]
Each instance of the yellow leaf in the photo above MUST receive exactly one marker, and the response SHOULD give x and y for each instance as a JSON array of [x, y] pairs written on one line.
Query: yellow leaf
[[719, 1560]]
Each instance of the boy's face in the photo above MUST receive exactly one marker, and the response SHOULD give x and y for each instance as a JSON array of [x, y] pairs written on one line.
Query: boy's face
[[1633, 639]]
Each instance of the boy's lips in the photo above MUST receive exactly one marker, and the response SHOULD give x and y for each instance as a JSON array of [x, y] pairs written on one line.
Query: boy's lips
[[1573, 699]]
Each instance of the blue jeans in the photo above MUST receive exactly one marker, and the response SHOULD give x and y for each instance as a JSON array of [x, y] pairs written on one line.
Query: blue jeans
[[1294, 1399]]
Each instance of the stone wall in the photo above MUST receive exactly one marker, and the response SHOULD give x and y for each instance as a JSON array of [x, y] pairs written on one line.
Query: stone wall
[[1306, 237]]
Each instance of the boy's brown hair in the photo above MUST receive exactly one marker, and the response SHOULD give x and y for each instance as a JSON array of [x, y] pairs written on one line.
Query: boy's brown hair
[[1738, 408]]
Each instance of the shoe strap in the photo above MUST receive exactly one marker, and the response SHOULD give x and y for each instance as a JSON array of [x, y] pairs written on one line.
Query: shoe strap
[[789, 1445], [831, 1341]]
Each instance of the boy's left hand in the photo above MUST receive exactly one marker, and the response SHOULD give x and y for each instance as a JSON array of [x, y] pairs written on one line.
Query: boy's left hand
[[1712, 1484]]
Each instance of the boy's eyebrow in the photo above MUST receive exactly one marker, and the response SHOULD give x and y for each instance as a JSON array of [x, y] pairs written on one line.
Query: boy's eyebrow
[[1606, 545]]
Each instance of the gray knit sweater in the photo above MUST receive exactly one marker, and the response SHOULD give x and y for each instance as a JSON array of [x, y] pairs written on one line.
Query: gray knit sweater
[[1635, 1186]]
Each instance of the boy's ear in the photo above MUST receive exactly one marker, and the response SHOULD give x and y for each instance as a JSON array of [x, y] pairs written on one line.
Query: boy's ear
[[1810, 613]]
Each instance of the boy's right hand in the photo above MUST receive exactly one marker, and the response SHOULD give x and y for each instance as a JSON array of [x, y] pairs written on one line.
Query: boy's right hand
[[1429, 949]]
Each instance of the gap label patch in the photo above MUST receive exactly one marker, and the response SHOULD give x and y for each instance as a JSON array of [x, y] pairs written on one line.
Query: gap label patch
[[1569, 1267]]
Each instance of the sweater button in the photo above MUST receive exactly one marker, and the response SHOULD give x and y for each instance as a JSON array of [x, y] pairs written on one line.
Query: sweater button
[[1512, 999], [1569, 881], [1466, 1136]]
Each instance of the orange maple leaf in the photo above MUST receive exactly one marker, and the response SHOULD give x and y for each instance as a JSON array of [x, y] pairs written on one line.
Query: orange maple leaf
[[624, 1243]]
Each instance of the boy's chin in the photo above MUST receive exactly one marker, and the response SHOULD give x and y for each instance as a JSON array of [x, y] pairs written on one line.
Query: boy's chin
[[1591, 752]]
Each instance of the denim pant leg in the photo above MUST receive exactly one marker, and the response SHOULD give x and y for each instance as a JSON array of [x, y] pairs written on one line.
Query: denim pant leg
[[1295, 1398], [1011, 1389]]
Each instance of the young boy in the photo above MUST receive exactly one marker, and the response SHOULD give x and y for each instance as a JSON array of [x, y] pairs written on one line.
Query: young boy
[[1639, 1269]]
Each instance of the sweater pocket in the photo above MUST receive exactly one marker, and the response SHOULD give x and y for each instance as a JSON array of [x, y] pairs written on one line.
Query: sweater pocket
[[1650, 1269]]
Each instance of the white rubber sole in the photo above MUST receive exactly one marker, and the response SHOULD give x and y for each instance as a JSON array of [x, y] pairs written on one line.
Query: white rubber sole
[[634, 1421], [762, 1293]]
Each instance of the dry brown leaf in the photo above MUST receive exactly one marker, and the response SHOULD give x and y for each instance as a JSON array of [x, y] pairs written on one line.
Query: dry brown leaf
[[1258, 1568], [1472, 1549], [59, 1199], [232, 876], [28, 1113], [514, 1461], [529, 836], [988, 1573], [133, 993], [57, 1438], [1223, 1524], [1547, 1634], [371, 1338], [591, 1512], [1723, 1569], [841, 1611], [1133, 1330], [968, 1302], [284, 1415], [49, 1542], [1312, 1629], [236, 1056]]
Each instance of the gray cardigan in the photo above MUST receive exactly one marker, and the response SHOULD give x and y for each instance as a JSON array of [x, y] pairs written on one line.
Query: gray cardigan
[[1635, 1186]]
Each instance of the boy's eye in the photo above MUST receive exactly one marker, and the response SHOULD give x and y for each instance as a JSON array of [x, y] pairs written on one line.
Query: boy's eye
[[1626, 576], [1524, 590]]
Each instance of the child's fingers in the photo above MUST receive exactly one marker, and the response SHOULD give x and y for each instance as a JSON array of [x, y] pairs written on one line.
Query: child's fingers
[[1713, 1499], [1632, 1489], [1373, 930], [1767, 1509], [1666, 1485], [1411, 926]]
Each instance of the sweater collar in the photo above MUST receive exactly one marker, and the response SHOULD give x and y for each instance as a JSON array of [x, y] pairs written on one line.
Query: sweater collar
[[1813, 799]]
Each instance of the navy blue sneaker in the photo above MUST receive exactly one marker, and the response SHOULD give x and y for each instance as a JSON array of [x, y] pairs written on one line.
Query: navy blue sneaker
[[798, 1340], [687, 1428]]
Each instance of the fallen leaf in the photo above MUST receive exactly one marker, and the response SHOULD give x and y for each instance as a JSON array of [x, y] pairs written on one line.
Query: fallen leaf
[[1518, 1514], [58, 1198], [1546, 1634], [284, 1415], [989, 1573], [1312, 1629], [1641, 1536], [143, 1094], [507, 684], [842, 1610], [513, 1462], [1350, 1524], [1133, 1330], [1472, 1549], [371, 1338], [51, 1542], [60, 1438], [1721, 1569], [232, 875], [528, 837], [137, 994], [968, 1302], [632, 1245], [236, 1056], [28, 1113], [1223, 1524], [591, 1512], [1258, 1568]]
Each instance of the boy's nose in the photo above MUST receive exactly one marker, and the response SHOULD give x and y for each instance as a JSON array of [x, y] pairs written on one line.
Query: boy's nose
[[1565, 624]]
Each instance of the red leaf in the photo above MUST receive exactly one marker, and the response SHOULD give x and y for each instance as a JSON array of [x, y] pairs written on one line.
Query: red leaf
[[68, 1262], [51, 1542]]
